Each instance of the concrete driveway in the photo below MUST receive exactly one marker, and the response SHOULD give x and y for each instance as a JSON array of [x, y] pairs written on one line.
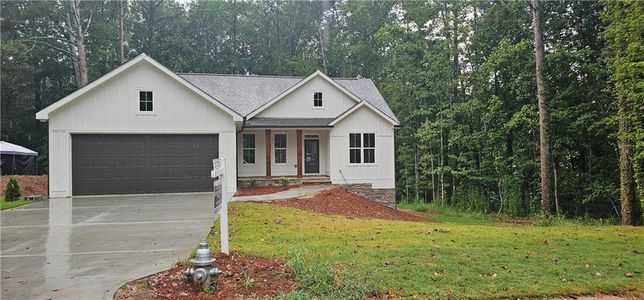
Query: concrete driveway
[[86, 247]]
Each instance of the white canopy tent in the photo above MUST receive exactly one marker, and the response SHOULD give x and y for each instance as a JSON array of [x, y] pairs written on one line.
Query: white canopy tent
[[18, 160], [13, 149]]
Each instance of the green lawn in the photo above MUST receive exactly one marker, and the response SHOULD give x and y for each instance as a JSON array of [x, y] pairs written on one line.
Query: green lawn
[[476, 258], [11, 204]]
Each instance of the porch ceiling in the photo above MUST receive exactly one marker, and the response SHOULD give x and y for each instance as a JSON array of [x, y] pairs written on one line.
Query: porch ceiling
[[288, 122]]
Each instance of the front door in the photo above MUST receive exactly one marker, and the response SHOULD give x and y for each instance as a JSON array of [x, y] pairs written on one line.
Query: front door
[[311, 156]]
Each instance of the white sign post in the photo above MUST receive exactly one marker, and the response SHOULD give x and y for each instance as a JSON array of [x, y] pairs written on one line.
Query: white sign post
[[221, 199]]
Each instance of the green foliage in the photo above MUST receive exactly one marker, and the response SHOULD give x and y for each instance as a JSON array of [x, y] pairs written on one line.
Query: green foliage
[[624, 37], [4, 204], [12, 190], [252, 182], [458, 74], [284, 181]]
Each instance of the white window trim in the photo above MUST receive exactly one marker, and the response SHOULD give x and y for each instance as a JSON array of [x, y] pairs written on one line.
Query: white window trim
[[275, 148], [355, 148], [155, 108], [243, 149], [369, 148], [321, 100], [362, 149], [151, 101]]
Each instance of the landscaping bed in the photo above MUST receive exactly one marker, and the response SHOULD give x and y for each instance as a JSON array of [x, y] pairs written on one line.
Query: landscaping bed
[[338, 201], [261, 190], [243, 276], [29, 184]]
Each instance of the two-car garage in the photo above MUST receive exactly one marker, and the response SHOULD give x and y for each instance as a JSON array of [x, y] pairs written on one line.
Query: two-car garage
[[107, 138], [142, 163]]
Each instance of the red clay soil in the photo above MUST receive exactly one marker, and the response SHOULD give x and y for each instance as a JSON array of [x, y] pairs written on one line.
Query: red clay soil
[[29, 185], [243, 276], [261, 190], [338, 201]]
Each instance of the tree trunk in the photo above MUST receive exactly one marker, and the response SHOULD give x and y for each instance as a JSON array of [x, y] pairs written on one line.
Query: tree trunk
[[79, 41], [627, 182], [72, 49], [543, 112], [557, 209], [122, 5], [431, 161], [416, 171]]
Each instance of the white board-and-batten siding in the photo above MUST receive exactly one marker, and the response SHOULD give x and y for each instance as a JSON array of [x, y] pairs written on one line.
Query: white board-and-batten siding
[[299, 103], [113, 107], [380, 174]]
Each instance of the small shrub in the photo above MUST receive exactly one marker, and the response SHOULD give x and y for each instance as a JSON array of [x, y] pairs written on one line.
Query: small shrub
[[247, 281], [12, 191], [252, 182], [284, 181]]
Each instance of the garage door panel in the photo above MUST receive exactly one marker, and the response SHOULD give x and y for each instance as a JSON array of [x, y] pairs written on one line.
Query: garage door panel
[[142, 163]]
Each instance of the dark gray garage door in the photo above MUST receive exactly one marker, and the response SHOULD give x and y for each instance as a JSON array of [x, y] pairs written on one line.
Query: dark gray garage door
[[142, 163]]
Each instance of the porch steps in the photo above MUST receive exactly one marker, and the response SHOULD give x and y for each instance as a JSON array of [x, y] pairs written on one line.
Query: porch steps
[[316, 180]]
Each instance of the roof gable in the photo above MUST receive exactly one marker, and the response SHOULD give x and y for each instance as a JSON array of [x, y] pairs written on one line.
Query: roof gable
[[300, 84], [248, 93], [44, 114]]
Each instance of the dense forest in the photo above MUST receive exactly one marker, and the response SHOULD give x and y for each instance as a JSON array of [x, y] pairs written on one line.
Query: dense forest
[[498, 115]]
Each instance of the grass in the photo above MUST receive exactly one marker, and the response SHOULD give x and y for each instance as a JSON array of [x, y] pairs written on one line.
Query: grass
[[11, 204], [463, 256]]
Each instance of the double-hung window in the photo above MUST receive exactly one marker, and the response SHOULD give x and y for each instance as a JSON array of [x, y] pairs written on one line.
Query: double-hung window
[[362, 148], [280, 148], [317, 99], [354, 148], [248, 148], [145, 101], [369, 147]]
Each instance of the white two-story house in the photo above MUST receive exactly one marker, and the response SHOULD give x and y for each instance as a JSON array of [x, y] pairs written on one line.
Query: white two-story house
[[144, 129]]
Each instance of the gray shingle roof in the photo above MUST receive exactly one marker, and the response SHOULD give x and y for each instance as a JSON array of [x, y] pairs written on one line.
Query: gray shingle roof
[[244, 94], [258, 122]]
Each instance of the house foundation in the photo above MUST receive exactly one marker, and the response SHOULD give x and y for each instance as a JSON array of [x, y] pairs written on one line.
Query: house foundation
[[382, 196]]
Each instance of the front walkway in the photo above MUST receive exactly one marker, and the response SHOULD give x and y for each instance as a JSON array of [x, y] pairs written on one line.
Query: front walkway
[[300, 191], [86, 247]]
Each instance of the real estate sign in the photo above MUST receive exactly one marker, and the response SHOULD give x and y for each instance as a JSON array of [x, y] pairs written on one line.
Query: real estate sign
[[221, 199]]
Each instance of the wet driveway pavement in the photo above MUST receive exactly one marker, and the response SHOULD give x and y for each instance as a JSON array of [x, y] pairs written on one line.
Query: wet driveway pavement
[[86, 247]]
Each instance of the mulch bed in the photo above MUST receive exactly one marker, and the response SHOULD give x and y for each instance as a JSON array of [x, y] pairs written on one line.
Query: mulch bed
[[29, 185], [338, 201], [261, 190], [243, 276]]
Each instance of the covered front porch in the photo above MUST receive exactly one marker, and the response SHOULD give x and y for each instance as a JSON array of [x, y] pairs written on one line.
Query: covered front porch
[[269, 152]]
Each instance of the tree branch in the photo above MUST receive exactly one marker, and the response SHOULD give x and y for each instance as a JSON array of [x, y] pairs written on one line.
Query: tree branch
[[41, 42]]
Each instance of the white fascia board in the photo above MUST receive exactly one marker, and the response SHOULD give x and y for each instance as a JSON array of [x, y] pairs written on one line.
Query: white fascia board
[[44, 113], [299, 84], [361, 104]]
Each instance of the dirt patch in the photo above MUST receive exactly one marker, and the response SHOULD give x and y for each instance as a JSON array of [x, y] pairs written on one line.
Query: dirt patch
[[518, 222], [261, 190], [628, 295], [338, 201], [243, 276], [29, 184]]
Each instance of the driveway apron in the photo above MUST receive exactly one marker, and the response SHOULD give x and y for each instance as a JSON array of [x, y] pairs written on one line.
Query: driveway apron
[[86, 247]]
